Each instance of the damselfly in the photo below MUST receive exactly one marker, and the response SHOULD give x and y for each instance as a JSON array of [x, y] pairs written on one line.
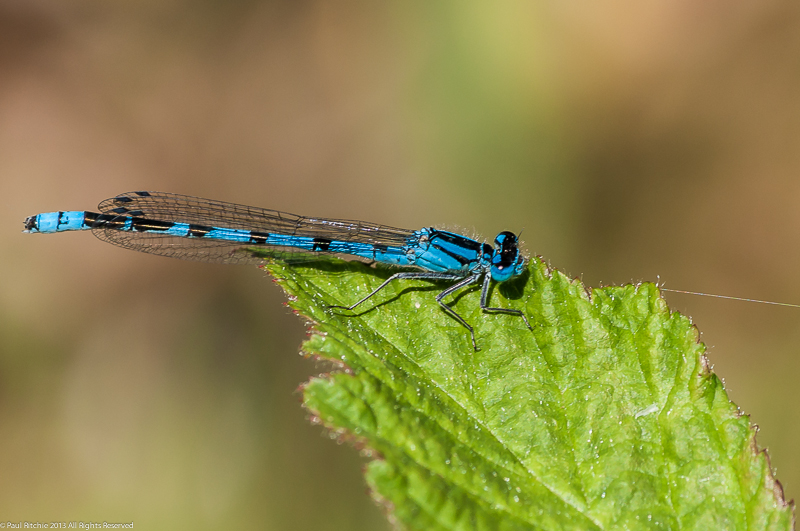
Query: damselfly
[[215, 231]]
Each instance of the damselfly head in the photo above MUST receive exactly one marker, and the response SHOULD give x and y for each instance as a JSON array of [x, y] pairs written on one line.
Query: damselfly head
[[507, 261]]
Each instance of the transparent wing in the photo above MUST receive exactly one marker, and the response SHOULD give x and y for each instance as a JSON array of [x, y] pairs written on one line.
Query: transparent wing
[[186, 209], [218, 251]]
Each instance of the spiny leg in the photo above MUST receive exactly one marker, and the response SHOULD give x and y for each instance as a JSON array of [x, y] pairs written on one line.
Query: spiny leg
[[485, 295], [406, 275], [455, 287]]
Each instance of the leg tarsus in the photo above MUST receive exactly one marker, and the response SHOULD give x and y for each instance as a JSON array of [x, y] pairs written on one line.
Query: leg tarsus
[[484, 307]]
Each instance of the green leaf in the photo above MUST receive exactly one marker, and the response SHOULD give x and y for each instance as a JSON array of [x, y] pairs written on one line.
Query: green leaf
[[606, 416]]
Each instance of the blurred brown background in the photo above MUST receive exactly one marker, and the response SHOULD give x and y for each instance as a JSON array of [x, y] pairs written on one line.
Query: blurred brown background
[[629, 140]]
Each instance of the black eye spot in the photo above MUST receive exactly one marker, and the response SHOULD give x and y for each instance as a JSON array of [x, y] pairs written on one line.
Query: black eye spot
[[506, 249]]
